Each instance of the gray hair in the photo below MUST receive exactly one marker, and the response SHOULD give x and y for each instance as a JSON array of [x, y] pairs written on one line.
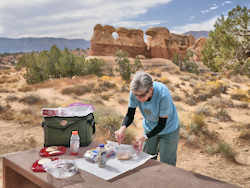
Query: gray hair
[[141, 81]]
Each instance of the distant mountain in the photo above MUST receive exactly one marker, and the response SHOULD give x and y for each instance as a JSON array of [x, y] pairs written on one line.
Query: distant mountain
[[40, 44], [198, 34]]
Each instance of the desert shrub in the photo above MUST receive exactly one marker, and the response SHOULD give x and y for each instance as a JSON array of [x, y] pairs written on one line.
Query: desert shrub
[[242, 105], [177, 85], [199, 121], [207, 76], [97, 99], [32, 99], [202, 78], [226, 150], [190, 100], [170, 87], [222, 148], [202, 109], [179, 107], [105, 97], [7, 114], [183, 83], [49, 105], [222, 114], [125, 68], [184, 77], [245, 131], [11, 98], [202, 96], [240, 95], [121, 100], [193, 76], [239, 79], [212, 149], [176, 59], [78, 89], [124, 87], [97, 88], [68, 90], [4, 90], [165, 80], [176, 97], [220, 102]]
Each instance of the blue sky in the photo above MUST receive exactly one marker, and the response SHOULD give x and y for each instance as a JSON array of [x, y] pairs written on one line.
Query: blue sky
[[77, 18]]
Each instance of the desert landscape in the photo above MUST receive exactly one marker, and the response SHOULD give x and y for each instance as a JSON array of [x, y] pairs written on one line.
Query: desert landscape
[[213, 111]]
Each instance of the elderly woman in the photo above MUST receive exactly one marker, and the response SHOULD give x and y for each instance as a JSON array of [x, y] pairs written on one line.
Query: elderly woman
[[160, 119]]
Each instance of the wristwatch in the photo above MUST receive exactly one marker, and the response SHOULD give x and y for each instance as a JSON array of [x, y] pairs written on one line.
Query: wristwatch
[[146, 137]]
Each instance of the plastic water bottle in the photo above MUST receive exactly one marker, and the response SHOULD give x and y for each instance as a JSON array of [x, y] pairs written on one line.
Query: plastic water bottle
[[102, 157], [74, 143]]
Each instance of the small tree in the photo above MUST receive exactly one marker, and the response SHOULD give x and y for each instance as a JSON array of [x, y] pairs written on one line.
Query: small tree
[[228, 45], [123, 63], [176, 59], [189, 64], [137, 65]]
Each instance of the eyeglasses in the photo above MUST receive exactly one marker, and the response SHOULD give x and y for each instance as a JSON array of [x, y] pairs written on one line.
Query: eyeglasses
[[142, 96]]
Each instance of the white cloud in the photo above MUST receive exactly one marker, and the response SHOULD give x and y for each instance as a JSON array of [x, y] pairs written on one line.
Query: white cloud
[[134, 24], [226, 2], [203, 26], [212, 8], [70, 19], [191, 18]]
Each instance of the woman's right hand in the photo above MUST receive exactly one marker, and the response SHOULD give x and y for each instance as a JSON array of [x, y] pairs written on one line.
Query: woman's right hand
[[120, 134]]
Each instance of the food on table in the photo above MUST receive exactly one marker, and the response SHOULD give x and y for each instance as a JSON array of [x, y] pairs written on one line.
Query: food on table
[[123, 155], [43, 161], [56, 151], [51, 148]]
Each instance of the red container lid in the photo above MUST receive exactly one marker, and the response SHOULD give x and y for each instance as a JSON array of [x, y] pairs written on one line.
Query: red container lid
[[74, 132]]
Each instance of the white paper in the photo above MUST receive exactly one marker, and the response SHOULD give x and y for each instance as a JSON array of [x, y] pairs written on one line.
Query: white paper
[[114, 167]]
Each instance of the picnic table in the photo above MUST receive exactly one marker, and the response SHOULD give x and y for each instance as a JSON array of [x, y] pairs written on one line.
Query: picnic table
[[17, 172]]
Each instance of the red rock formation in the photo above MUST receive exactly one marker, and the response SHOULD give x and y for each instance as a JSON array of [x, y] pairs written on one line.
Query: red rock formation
[[197, 47], [161, 43]]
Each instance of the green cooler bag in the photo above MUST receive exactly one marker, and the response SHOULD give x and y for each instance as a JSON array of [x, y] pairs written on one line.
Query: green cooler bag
[[57, 130]]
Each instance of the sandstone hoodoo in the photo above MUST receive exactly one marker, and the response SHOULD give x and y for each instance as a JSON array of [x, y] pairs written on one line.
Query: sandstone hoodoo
[[160, 42], [197, 47]]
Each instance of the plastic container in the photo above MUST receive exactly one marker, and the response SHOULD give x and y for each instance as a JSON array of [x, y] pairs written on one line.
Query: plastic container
[[124, 152], [102, 156], [74, 143]]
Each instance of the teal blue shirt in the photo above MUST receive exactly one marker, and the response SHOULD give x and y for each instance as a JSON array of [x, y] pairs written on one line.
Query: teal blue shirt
[[161, 104]]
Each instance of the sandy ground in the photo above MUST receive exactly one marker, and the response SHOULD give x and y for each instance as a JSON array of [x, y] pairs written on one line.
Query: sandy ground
[[16, 136]]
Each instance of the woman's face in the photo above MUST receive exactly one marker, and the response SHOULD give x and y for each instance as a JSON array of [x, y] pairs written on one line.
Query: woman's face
[[143, 95]]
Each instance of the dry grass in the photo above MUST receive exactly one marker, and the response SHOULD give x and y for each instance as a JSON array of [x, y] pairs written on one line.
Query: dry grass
[[242, 105], [202, 109], [122, 100], [32, 99], [165, 80], [78, 89], [26, 88], [11, 98], [240, 95], [220, 102], [198, 122], [184, 77], [190, 100], [176, 97], [222, 114], [179, 107], [222, 148]]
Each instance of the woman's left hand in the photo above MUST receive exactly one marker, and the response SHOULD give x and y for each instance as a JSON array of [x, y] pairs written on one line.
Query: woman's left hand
[[138, 144]]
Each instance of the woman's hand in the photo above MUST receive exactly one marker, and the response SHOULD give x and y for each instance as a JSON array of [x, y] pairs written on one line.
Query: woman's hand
[[138, 144], [120, 134]]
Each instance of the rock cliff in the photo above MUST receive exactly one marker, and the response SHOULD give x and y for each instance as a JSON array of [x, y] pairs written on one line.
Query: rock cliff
[[160, 42]]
